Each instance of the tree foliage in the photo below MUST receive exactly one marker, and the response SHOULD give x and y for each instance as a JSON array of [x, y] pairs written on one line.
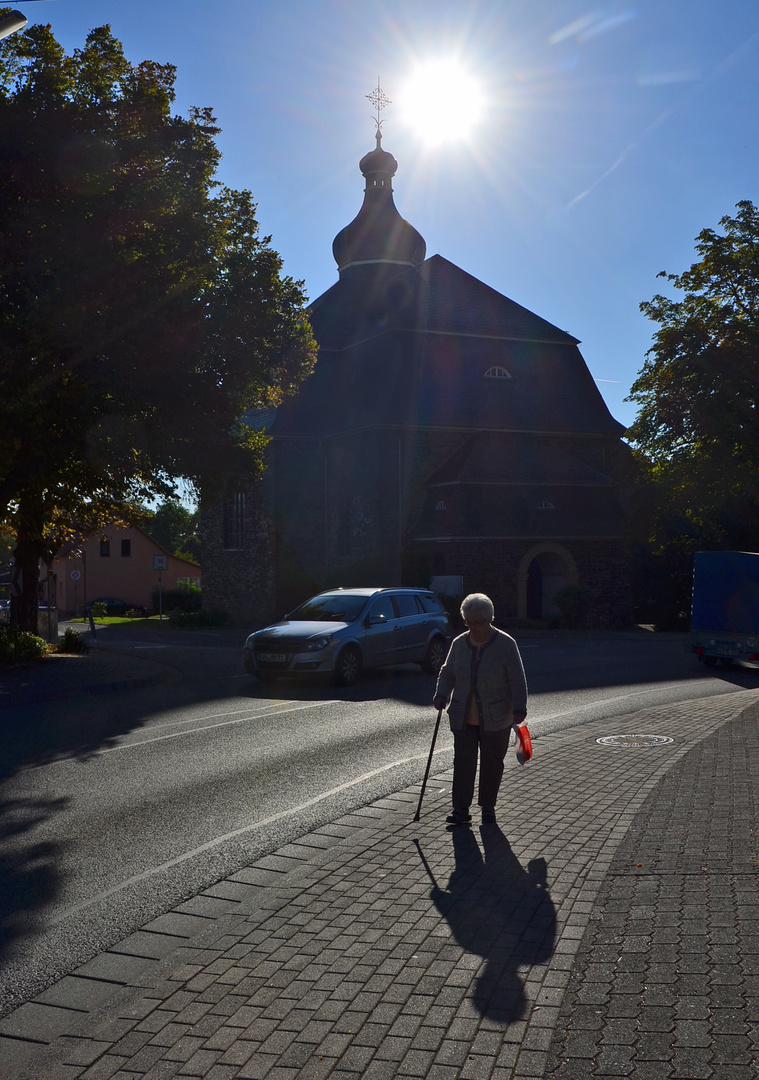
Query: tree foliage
[[175, 528], [698, 393], [142, 315]]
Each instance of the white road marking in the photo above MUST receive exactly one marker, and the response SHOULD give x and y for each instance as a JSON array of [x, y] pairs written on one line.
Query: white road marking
[[235, 833], [207, 727]]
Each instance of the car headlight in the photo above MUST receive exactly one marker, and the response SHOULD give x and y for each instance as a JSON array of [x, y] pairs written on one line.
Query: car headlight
[[316, 644]]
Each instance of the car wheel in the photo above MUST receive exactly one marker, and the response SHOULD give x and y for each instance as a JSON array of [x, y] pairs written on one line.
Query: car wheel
[[348, 667], [435, 658]]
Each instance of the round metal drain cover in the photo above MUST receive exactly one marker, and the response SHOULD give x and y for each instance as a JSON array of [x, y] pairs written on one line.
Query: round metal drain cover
[[634, 740]]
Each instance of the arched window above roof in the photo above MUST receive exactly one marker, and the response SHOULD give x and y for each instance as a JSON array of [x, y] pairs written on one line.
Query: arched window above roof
[[497, 372]]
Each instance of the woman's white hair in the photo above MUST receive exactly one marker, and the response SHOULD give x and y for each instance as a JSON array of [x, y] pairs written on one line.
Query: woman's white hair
[[477, 604]]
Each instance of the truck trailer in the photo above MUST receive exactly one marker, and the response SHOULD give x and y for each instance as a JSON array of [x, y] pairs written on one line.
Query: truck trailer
[[724, 623]]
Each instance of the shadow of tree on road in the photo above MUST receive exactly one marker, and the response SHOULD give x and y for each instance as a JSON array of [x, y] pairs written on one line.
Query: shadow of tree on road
[[498, 910]]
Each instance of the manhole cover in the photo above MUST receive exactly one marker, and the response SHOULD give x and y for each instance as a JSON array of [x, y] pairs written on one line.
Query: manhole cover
[[634, 740]]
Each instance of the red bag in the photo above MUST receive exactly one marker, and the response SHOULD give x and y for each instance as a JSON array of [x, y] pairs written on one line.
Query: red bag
[[524, 744]]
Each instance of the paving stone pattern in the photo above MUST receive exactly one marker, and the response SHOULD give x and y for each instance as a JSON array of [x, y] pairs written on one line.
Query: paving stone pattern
[[666, 982], [378, 948]]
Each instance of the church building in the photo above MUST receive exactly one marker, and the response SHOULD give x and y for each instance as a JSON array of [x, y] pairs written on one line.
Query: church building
[[447, 437]]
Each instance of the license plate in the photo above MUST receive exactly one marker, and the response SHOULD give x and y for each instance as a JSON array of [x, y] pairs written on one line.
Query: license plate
[[727, 650], [272, 657]]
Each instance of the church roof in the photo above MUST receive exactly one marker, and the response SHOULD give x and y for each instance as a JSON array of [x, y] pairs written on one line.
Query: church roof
[[414, 342], [494, 458], [435, 297]]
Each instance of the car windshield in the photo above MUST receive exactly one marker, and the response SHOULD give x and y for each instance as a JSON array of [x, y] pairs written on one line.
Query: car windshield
[[332, 607]]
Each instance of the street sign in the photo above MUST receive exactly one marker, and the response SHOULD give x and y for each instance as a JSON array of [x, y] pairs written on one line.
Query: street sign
[[160, 562], [75, 575]]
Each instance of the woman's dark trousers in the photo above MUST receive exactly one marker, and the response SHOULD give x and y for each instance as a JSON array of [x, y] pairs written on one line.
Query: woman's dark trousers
[[492, 747]]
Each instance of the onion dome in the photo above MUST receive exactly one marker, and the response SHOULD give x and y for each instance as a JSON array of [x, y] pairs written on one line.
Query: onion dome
[[378, 236]]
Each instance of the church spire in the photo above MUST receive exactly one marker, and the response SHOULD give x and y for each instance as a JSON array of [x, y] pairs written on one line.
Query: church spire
[[378, 236]]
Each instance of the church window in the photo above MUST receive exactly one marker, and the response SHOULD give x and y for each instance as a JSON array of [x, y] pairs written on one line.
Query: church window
[[544, 504], [234, 521], [497, 372], [441, 506], [105, 548]]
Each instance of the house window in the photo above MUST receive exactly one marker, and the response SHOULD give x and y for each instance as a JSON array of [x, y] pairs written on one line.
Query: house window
[[126, 548], [105, 549], [497, 372], [190, 581], [234, 521]]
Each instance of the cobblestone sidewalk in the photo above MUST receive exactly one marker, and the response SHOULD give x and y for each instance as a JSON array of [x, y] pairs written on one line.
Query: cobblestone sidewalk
[[390, 949]]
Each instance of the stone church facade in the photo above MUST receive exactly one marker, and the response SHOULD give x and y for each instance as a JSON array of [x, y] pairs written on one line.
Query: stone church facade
[[446, 435]]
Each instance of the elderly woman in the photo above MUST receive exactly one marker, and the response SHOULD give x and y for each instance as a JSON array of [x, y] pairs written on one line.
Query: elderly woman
[[482, 682]]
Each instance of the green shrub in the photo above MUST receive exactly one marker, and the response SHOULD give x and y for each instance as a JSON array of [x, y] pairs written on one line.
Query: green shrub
[[16, 645], [99, 610], [196, 620], [188, 598], [72, 642], [573, 602]]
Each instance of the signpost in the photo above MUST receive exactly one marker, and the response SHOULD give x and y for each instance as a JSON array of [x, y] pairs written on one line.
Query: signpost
[[75, 576], [160, 563]]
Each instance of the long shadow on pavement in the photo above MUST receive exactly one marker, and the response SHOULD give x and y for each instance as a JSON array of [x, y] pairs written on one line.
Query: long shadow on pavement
[[500, 911]]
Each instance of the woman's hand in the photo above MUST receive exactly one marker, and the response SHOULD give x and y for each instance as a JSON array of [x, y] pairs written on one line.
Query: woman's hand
[[518, 718], [439, 702]]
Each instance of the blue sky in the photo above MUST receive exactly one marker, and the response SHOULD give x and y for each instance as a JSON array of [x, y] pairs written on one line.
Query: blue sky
[[611, 135]]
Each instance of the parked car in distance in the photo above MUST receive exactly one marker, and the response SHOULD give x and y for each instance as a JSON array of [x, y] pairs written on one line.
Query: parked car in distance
[[5, 611], [116, 607], [344, 631]]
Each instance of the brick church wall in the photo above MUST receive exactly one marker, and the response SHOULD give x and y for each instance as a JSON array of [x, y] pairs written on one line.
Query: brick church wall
[[240, 582]]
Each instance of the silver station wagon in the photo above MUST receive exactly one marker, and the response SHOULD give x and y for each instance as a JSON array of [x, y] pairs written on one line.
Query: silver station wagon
[[341, 632]]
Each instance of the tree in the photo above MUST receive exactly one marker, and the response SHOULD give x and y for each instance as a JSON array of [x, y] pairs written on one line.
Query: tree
[[175, 528], [142, 314], [698, 393]]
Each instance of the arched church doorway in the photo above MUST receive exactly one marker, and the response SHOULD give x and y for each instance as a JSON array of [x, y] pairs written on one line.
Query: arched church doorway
[[544, 570]]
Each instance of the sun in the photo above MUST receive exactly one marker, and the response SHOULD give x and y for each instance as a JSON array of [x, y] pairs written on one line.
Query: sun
[[441, 101]]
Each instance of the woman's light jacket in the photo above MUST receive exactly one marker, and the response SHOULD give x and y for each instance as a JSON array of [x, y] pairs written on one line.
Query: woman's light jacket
[[501, 685]]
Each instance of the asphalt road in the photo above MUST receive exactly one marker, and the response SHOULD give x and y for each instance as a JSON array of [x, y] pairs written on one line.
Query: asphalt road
[[114, 812]]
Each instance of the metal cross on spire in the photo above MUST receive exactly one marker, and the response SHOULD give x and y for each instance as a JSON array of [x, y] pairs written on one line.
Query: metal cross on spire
[[380, 101]]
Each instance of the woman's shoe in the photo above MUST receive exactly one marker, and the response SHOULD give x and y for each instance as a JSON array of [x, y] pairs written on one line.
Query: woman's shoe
[[459, 817]]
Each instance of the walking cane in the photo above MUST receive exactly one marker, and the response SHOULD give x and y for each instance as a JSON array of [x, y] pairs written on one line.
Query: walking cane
[[429, 762]]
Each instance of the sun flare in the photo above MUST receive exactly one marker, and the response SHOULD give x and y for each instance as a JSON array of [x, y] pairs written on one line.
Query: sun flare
[[441, 101]]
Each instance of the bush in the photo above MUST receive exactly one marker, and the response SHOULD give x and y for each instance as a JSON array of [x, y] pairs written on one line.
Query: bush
[[188, 598], [196, 620], [99, 610], [573, 602], [16, 646], [72, 642]]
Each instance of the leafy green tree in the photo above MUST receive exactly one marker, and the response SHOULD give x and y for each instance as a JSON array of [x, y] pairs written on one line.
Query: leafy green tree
[[142, 315], [698, 391], [175, 528]]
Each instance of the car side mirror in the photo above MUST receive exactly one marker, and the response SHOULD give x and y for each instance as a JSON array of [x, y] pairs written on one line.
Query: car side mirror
[[374, 620]]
